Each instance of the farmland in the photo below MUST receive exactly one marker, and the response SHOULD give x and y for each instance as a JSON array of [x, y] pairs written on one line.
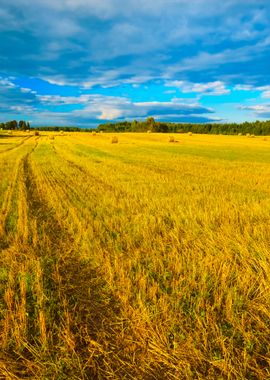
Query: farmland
[[144, 259]]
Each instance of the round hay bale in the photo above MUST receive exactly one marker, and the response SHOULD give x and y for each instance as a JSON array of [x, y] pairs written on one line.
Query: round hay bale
[[149, 131], [171, 139], [94, 133], [190, 133], [239, 134], [36, 133], [114, 140], [252, 136]]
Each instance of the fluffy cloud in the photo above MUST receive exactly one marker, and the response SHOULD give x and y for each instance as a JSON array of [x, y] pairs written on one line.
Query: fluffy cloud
[[102, 108], [13, 99], [211, 88], [199, 47], [92, 108], [80, 41], [258, 110], [265, 91]]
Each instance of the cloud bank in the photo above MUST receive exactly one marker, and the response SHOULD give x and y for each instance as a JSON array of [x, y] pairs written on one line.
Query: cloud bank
[[109, 48]]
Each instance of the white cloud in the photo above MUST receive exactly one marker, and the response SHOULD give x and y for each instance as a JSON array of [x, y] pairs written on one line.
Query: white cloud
[[6, 83], [258, 108], [60, 100], [108, 107], [170, 92], [266, 94], [265, 91], [23, 109], [243, 87], [210, 88]]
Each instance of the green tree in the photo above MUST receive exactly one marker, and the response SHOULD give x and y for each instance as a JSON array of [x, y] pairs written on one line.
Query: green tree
[[150, 122], [22, 125]]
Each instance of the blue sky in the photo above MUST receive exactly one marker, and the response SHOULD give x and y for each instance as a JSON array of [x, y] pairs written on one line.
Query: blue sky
[[84, 62]]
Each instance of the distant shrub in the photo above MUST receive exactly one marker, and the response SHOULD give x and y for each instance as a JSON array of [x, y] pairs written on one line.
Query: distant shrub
[[114, 140]]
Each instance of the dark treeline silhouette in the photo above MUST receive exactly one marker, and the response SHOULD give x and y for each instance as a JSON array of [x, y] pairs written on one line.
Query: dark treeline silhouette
[[13, 125], [22, 125], [255, 128], [58, 129]]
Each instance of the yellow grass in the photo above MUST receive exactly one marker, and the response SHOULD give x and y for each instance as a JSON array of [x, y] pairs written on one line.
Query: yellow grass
[[141, 260]]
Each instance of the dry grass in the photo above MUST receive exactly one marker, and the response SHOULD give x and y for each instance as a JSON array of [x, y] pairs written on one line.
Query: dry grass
[[146, 262]]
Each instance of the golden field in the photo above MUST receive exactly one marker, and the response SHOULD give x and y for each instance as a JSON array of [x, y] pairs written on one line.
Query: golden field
[[143, 259]]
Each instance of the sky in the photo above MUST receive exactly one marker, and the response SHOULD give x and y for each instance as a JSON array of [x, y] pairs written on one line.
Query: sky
[[86, 62]]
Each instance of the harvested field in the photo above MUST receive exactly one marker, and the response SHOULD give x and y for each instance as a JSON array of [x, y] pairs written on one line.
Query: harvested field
[[136, 260]]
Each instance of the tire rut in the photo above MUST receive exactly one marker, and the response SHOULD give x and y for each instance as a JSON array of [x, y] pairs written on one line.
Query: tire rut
[[82, 313], [16, 146]]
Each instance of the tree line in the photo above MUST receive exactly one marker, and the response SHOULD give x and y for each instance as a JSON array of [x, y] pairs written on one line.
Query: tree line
[[59, 129], [255, 128], [15, 125], [150, 124], [23, 125]]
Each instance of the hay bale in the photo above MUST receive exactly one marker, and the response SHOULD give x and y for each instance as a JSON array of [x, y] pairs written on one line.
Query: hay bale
[[51, 137], [36, 133], [149, 131], [171, 139], [252, 136], [239, 134], [94, 133], [114, 140], [190, 133]]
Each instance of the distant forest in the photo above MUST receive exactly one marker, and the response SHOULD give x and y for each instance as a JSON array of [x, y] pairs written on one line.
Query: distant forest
[[255, 128], [25, 125], [14, 124]]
